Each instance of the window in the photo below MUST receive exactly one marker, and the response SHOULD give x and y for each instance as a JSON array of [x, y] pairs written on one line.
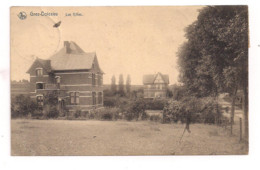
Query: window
[[93, 79], [94, 98], [39, 85], [39, 72], [100, 98], [74, 98], [39, 100], [58, 81], [98, 80]]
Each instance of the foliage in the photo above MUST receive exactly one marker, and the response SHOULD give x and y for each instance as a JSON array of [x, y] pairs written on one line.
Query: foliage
[[113, 84], [121, 90], [136, 110], [139, 93], [215, 57], [108, 93], [50, 111], [110, 101], [178, 92], [104, 114], [78, 113], [22, 106], [156, 104], [203, 110], [217, 41], [128, 84]]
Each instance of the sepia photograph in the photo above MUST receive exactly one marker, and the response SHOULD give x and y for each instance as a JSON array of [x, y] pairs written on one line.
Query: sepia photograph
[[129, 80]]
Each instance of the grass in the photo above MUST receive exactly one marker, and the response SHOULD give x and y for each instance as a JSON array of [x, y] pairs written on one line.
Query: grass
[[64, 137]]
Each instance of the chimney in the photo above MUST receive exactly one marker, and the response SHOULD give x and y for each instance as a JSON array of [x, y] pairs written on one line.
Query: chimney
[[67, 46]]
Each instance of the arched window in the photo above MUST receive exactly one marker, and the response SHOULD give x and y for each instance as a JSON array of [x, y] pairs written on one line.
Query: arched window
[[39, 85]]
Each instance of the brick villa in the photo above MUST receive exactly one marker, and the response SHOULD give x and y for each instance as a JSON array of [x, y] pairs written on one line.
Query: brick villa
[[73, 74]]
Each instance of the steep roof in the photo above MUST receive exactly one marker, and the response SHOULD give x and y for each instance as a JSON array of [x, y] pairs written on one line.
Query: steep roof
[[72, 57], [46, 64], [150, 78]]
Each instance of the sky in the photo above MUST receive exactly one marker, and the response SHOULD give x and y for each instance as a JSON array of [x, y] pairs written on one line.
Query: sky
[[127, 40]]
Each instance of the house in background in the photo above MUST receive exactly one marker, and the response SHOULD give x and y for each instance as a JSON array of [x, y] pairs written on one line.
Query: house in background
[[71, 73], [155, 85]]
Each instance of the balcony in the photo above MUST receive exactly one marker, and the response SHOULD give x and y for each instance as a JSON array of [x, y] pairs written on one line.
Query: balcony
[[45, 86], [51, 87]]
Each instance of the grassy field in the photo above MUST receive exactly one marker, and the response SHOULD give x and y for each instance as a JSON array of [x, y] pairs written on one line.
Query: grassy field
[[66, 137]]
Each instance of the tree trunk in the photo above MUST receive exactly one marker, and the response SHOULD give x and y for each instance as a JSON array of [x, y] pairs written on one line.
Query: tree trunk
[[245, 100], [245, 112], [234, 95]]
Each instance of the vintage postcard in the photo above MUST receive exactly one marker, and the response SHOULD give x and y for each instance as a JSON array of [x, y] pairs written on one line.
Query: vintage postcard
[[140, 80]]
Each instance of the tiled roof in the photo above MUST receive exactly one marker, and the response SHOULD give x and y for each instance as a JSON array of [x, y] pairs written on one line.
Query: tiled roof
[[72, 57], [149, 78]]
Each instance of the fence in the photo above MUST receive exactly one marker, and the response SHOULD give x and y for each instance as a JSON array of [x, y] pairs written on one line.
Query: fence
[[235, 128]]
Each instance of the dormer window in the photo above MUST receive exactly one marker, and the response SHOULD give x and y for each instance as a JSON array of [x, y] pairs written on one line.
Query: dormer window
[[39, 72]]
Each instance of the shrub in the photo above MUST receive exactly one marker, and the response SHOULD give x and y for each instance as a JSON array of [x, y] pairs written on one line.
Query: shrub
[[50, 111], [211, 111], [156, 104], [173, 112], [107, 114], [110, 101], [77, 113], [203, 110], [91, 114], [22, 105], [37, 114], [136, 110]]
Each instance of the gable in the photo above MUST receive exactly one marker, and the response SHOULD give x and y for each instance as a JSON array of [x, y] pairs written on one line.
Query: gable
[[155, 78], [159, 79], [95, 66], [39, 63]]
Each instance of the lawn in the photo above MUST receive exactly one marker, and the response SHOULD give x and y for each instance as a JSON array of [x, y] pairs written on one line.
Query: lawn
[[72, 137]]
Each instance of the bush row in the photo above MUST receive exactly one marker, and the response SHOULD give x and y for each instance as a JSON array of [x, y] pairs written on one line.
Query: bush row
[[203, 110], [115, 101]]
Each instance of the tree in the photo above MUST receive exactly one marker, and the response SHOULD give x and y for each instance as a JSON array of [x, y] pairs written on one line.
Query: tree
[[113, 84], [121, 91], [128, 84], [215, 58]]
